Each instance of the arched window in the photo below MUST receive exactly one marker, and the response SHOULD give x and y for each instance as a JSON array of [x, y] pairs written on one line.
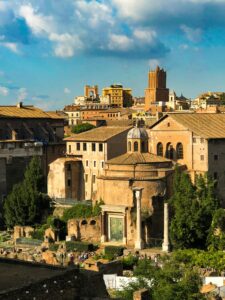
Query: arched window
[[180, 151], [129, 146], [143, 148], [135, 146], [160, 149], [169, 151]]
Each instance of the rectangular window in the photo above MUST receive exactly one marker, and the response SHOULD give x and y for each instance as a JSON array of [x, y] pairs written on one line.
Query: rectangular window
[[93, 147], [202, 140], [201, 157], [69, 148], [68, 182], [215, 175], [94, 163], [102, 164], [94, 177], [86, 177], [100, 147], [78, 146], [68, 167], [84, 146], [194, 140], [86, 163], [215, 157]]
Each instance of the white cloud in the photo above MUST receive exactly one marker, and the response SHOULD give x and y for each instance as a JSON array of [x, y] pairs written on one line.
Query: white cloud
[[11, 46], [66, 45], [22, 94], [4, 91], [120, 42], [39, 23], [193, 34], [145, 35], [67, 90]]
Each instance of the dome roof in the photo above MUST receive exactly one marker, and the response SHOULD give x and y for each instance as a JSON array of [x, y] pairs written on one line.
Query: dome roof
[[137, 133]]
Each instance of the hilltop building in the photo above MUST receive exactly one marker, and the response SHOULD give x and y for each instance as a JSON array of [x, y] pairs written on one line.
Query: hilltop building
[[156, 94], [117, 95]]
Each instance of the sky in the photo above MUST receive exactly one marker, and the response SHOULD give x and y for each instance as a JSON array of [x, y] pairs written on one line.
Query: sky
[[49, 49]]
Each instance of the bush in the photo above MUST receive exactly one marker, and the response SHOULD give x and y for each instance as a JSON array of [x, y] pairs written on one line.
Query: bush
[[39, 232], [82, 128], [81, 210], [79, 246], [129, 262], [113, 251]]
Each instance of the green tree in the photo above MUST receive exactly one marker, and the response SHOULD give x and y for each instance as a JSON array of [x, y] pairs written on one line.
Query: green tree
[[216, 237], [82, 128], [172, 281], [192, 211], [26, 203]]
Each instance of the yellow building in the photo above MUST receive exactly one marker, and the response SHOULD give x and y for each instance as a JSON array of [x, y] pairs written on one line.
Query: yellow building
[[117, 95]]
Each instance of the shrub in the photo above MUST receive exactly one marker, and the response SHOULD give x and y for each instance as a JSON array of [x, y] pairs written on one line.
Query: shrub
[[129, 262], [113, 251], [82, 127], [39, 232], [82, 210], [79, 246]]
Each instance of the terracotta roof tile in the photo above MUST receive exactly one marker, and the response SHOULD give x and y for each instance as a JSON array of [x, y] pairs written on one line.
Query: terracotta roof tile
[[25, 112], [100, 134], [203, 125], [136, 158]]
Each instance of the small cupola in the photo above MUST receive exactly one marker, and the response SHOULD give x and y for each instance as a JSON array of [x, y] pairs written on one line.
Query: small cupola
[[137, 140]]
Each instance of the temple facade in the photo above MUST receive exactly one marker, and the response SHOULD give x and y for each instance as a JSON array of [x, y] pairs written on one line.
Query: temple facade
[[133, 187]]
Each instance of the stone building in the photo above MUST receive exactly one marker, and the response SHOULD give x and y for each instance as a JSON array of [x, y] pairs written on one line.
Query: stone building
[[27, 131], [156, 94], [118, 95], [194, 140], [137, 169], [92, 148], [65, 179]]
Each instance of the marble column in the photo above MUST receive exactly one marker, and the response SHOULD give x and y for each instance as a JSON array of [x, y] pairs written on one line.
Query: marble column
[[103, 225], [166, 245], [138, 242]]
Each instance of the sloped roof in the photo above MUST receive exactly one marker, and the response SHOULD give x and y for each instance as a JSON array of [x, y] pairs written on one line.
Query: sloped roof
[[204, 125], [136, 158], [26, 112], [100, 134]]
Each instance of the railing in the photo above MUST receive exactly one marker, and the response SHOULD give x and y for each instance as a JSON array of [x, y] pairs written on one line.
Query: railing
[[155, 243]]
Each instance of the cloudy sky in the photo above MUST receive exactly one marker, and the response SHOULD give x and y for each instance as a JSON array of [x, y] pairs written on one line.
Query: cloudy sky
[[49, 49]]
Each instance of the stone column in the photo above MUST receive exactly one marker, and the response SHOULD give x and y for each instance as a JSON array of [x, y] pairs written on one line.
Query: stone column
[[103, 233], [124, 229], [165, 245], [138, 243]]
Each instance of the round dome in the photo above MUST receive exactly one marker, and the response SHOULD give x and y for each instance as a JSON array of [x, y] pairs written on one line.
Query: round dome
[[137, 133]]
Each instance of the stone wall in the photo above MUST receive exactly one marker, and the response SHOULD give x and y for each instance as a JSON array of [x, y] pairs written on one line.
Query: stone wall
[[59, 284], [85, 229]]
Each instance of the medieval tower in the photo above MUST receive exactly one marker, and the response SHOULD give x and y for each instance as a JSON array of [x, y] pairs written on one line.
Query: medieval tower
[[156, 90]]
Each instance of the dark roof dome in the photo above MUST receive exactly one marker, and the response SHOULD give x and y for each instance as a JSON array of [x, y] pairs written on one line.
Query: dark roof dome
[[137, 133]]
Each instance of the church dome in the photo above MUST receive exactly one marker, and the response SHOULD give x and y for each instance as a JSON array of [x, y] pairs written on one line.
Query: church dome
[[137, 133]]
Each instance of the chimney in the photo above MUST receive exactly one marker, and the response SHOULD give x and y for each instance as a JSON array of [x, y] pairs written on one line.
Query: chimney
[[19, 104]]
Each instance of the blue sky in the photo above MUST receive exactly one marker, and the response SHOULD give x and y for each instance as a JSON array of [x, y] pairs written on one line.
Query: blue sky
[[50, 49]]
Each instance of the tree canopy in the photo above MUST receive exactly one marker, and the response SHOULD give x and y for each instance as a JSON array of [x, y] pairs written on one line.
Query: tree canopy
[[172, 281], [25, 204], [193, 207]]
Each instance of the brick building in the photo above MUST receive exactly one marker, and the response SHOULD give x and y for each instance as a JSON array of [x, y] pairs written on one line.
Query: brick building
[[194, 140]]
